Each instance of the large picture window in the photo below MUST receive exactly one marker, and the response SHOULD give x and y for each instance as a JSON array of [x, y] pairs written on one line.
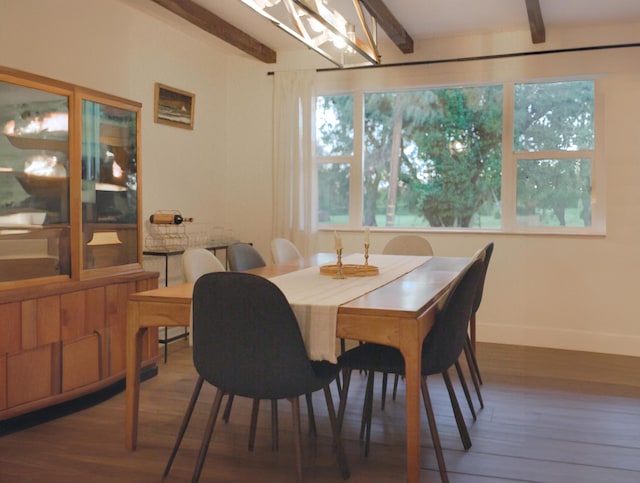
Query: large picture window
[[510, 157]]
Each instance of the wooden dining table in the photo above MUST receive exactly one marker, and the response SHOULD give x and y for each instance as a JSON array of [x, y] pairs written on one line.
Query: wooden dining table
[[398, 314]]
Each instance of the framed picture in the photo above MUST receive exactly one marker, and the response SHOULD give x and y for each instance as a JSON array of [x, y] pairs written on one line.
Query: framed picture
[[174, 107]]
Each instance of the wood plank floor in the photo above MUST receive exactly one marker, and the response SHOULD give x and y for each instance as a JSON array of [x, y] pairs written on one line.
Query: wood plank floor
[[549, 416]]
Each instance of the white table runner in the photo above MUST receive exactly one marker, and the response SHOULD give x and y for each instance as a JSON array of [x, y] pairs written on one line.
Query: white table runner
[[315, 298]]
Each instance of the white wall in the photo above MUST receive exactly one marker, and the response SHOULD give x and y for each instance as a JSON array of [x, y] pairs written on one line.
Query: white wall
[[552, 291], [571, 292]]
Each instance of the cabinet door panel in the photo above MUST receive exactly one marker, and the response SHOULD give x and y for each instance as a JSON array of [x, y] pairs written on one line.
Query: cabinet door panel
[[96, 308], [48, 320], [10, 328], [30, 375], [81, 362], [3, 381], [72, 307], [29, 324]]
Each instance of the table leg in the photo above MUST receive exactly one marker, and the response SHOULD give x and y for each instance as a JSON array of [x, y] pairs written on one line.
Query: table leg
[[410, 342], [132, 388], [412, 354]]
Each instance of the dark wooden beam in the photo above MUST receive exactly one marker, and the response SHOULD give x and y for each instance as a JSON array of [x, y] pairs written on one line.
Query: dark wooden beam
[[536, 24], [389, 24], [209, 22]]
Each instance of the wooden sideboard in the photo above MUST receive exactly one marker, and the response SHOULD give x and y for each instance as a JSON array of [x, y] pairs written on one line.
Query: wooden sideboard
[[63, 340]]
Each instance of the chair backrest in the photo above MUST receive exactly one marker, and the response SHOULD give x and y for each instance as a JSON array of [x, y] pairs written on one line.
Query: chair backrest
[[282, 250], [445, 341], [198, 261], [487, 252], [246, 339], [242, 256], [408, 245]]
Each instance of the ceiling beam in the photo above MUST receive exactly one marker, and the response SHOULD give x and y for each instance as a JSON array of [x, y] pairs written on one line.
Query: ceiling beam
[[389, 24], [209, 22], [536, 24]]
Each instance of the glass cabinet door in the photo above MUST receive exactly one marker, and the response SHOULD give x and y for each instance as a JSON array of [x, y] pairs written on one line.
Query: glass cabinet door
[[34, 182], [109, 185]]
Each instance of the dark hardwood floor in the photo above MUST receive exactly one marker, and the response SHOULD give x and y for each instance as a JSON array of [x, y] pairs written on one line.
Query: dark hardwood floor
[[549, 416]]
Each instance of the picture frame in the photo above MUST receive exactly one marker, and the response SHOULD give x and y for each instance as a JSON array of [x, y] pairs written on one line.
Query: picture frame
[[173, 107]]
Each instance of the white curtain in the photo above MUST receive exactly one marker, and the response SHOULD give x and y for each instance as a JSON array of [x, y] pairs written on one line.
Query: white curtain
[[292, 196]]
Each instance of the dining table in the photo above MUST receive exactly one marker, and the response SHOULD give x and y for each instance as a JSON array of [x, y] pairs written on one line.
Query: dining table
[[399, 313]]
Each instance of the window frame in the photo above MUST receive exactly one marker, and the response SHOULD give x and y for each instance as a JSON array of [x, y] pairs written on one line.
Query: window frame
[[510, 159]]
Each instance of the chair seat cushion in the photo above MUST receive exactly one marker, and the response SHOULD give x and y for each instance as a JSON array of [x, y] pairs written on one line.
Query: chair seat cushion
[[373, 357], [325, 371]]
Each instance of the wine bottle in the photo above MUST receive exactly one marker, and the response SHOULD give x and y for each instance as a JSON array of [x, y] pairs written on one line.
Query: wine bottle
[[168, 219]]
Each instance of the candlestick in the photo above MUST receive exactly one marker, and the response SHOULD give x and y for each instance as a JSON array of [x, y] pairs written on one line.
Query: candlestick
[[339, 274], [366, 253]]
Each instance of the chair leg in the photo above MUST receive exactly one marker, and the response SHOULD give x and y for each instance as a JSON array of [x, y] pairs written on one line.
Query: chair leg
[[313, 431], [275, 439], [465, 389], [396, 378], [435, 438], [462, 426], [337, 442], [365, 405], [206, 439], [185, 422], [346, 379], [468, 354], [227, 409], [295, 411], [473, 361], [367, 413], [385, 377], [254, 423]]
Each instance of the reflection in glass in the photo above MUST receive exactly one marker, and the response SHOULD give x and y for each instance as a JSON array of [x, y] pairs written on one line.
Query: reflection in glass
[[34, 183], [109, 185]]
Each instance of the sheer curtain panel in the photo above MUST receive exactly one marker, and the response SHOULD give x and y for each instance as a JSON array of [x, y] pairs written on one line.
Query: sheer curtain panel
[[292, 191]]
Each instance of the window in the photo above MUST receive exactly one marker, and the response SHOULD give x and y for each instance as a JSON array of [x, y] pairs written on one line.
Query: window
[[334, 145], [554, 120], [511, 157]]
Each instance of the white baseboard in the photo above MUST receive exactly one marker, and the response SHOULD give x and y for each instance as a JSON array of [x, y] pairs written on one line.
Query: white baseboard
[[608, 343]]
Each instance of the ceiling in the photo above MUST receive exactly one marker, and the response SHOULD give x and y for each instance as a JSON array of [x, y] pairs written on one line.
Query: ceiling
[[424, 19]]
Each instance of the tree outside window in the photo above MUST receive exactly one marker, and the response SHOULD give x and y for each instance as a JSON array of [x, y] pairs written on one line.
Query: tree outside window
[[434, 157]]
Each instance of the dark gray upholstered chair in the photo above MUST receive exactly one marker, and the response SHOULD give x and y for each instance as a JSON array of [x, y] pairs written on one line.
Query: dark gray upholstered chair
[[441, 350], [403, 245], [470, 346], [242, 256], [247, 342]]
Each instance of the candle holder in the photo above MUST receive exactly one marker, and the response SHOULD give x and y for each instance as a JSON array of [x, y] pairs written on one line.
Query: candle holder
[[339, 273], [366, 254], [339, 270]]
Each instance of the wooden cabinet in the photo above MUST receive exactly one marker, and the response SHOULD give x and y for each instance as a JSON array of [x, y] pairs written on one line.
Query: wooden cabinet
[[70, 240], [66, 340]]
